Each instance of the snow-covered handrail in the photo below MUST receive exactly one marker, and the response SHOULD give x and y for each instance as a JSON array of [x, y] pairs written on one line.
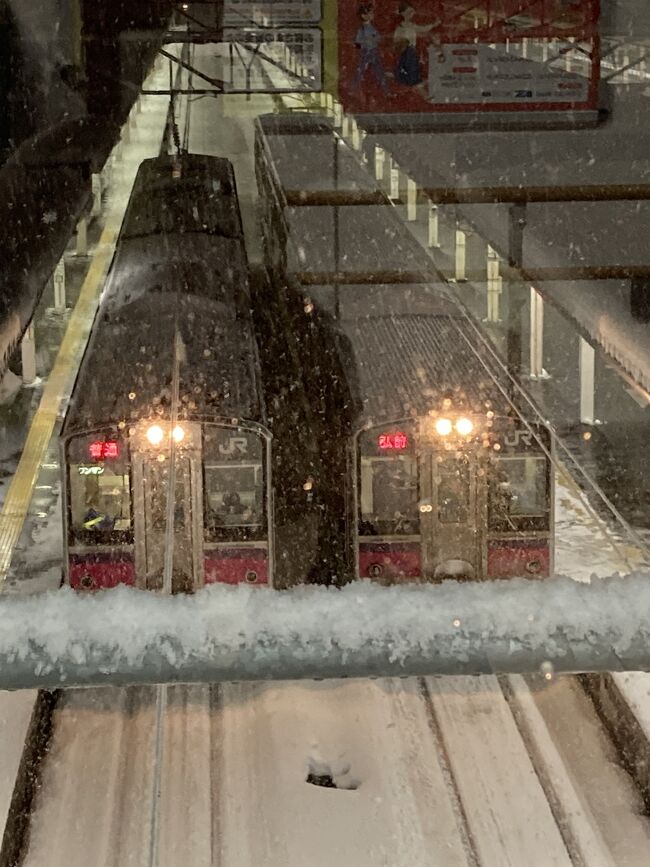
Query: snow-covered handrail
[[229, 634]]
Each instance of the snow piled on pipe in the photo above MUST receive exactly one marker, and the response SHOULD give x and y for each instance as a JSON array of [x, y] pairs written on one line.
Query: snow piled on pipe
[[225, 633]]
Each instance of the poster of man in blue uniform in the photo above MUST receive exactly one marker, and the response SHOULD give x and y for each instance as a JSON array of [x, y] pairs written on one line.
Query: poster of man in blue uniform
[[367, 40]]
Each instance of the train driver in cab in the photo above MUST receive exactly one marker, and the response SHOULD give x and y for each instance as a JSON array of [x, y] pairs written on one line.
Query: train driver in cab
[[232, 504], [97, 518]]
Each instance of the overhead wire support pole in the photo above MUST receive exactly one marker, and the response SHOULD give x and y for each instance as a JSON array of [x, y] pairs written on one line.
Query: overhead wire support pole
[[516, 226]]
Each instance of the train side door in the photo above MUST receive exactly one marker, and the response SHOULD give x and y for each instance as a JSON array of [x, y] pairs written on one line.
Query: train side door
[[450, 533], [151, 480]]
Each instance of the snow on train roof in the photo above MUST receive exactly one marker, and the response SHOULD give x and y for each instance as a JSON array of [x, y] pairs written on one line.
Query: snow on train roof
[[127, 369], [202, 265], [193, 193], [308, 155], [406, 360], [364, 239]]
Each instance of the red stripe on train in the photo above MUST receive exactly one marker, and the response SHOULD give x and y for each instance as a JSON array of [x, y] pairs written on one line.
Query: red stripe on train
[[510, 558], [236, 566], [100, 573], [386, 562]]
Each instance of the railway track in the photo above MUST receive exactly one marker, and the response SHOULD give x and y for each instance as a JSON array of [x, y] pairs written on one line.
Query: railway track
[[456, 771]]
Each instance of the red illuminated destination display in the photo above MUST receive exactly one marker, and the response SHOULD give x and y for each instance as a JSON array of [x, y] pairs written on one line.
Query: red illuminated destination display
[[100, 451], [393, 441]]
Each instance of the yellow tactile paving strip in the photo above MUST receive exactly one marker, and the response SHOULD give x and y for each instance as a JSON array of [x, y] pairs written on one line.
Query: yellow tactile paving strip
[[16, 504]]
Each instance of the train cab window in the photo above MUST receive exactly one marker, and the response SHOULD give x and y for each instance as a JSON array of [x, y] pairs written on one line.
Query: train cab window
[[234, 486], [99, 492], [389, 496], [518, 493]]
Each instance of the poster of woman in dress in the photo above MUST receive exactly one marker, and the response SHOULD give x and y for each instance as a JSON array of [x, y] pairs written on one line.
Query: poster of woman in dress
[[408, 68]]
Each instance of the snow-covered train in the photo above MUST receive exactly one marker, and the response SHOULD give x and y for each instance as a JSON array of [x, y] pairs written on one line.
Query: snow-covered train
[[444, 476], [365, 434], [171, 371]]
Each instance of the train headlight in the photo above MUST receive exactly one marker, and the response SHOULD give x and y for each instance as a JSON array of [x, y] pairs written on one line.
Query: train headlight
[[464, 426], [179, 434], [155, 434], [443, 426]]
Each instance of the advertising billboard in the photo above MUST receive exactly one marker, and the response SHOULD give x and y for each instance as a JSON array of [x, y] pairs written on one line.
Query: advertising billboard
[[455, 55]]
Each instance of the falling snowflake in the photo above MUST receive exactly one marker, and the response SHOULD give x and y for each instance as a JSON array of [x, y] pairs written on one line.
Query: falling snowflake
[[49, 217]]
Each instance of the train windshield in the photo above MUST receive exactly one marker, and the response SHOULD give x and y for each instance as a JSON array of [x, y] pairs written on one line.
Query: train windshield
[[234, 485], [518, 493], [99, 490], [389, 496]]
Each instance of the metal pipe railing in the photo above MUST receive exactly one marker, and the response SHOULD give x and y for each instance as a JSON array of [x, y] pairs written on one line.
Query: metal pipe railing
[[229, 634]]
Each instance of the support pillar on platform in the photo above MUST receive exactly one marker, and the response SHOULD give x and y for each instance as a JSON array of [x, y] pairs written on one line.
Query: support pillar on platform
[[461, 256], [96, 183], [394, 180], [58, 278], [587, 382], [411, 200], [338, 115], [356, 135], [434, 235], [82, 237], [537, 336], [494, 286], [380, 163], [28, 357]]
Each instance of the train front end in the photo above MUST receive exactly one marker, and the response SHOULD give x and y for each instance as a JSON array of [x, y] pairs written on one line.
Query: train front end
[[190, 500], [453, 495]]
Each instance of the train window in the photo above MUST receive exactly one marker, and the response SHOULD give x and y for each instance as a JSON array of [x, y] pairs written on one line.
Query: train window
[[518, 492], [453, 487], [234, 485], [99, 494], [389, 496]]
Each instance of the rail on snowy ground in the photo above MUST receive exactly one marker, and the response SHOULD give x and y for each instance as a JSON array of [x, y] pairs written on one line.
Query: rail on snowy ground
[[223, 633]]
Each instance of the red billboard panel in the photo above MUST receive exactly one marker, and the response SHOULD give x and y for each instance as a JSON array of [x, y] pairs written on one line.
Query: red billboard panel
[[459, 55]]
